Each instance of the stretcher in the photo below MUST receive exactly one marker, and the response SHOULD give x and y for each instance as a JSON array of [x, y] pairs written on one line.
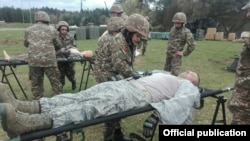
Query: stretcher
[[4, 65], [72, 127]]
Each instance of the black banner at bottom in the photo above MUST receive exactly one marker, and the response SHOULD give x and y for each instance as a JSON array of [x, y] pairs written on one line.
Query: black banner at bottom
[[199, 132]]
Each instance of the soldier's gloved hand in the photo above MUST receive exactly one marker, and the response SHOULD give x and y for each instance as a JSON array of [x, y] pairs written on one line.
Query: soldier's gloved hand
[[149, 125]]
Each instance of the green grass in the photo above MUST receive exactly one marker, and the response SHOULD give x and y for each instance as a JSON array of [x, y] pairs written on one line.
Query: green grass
[[209, 59], [14, 25]]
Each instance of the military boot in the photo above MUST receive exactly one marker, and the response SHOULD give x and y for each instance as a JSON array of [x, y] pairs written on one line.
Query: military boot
[[119, 136], [16, 123], [31, 107], [74, 85]]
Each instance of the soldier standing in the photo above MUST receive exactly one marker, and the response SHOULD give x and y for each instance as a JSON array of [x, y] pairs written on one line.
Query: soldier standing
[[115, 11], [114, 59], [179, 36], [68, 42], [239, 103], [41, 41], [144, 41]]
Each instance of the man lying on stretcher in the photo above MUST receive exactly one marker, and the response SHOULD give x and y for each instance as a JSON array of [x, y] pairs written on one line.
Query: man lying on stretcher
[[168, 94]]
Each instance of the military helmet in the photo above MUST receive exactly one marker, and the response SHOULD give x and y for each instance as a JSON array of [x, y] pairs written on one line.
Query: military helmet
[[247, 6], [115, 24], [137, 23], [124, 16], [41, 16], [62, 23], [179, 17], [116, 8]]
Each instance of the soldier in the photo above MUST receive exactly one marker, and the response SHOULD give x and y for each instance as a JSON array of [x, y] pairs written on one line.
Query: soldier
[[41, 41], [239, 103], [114, 59], [115, 10], [143, 44], [68, 42], [179, 36], [105, 49]]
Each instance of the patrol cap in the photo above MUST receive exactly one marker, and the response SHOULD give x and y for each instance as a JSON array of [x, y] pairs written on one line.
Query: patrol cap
[[137, 23]]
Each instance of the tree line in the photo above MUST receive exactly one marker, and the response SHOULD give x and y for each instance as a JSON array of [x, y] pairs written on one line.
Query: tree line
[[225, 15]]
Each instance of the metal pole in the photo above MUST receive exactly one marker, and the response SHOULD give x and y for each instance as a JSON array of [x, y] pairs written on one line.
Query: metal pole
[[22, 10]]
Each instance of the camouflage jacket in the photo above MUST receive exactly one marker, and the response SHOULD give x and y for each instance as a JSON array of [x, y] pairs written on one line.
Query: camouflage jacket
[[41, 41], [243, 68], [113, 57], [178, 39], [67, 42]]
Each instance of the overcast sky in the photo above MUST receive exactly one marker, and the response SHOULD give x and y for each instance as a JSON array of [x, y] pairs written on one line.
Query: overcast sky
[[68, 5]]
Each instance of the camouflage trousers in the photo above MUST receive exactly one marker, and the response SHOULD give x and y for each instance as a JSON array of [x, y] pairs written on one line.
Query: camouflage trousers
[[144, 46], [239, 106], [67, 70], [36, 75], [173, 64], [101, 100]]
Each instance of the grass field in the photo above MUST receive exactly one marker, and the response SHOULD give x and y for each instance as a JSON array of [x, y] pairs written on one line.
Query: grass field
[[209, 59]]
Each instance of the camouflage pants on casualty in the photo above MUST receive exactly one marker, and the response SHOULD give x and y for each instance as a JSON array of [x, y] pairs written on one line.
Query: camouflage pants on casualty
[[98, 101]]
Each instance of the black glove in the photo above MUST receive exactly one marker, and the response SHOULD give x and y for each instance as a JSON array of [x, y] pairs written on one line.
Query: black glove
[[149, 125]]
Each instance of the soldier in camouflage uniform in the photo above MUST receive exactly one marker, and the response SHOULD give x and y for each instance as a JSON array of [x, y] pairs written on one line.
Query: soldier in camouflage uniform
[[115, 11], [41, 41], [105, 49], [114, 59], [239, 103], [68, 42], [144, 42], [179, 36]]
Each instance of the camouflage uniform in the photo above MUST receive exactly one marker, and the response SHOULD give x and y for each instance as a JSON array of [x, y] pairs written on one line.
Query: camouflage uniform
[[144, 41], [239, 103], [108, 54], [114, 57], [67, 68], [41, 42], [178, 38], [109, 57]]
